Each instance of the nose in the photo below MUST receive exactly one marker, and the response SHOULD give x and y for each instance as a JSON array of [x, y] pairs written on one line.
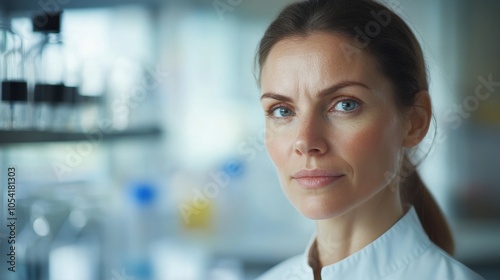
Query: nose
[[311, 137]]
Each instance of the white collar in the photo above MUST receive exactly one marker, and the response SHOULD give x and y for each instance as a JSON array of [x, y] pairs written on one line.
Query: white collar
[[396, 248]]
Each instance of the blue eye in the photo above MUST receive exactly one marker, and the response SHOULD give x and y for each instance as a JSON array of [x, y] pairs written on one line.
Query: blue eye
[[281, 112], [346, 105]]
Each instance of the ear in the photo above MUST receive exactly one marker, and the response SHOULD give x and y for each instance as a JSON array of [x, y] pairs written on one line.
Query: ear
[[419, 119]]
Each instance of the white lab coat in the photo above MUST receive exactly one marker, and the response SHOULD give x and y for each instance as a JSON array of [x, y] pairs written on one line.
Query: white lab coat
[[404, 252]]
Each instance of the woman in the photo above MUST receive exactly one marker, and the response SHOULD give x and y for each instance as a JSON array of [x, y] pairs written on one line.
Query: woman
[[345, 92]]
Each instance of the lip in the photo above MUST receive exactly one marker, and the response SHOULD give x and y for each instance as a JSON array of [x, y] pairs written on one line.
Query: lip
[[316, 178], [316, 173]]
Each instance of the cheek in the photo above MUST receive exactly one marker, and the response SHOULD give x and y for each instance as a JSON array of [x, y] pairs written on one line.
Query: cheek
[[276, 146], [373, 150], [279, 145]]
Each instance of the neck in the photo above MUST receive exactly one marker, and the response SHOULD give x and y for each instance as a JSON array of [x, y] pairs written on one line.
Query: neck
[[348, 233]]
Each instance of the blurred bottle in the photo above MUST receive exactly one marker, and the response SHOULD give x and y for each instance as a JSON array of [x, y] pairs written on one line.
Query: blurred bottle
[[90, 111], [74, 252], [14, 109], [49, 70], [69, 116], [94, 76], [34, 242], [142, 230], [144, 99], [124, 92]]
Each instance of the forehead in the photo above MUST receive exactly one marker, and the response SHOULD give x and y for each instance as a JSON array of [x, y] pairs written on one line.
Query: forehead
[[315, 61]]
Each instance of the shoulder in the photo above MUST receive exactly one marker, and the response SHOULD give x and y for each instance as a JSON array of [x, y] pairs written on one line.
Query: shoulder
[[292, 267], [435, 263]]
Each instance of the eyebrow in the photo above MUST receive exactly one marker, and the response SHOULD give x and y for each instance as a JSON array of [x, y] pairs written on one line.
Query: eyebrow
[[327, 91]]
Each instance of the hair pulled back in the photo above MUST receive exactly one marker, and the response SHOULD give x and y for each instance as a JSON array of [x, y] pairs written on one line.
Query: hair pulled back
[[375, 29]]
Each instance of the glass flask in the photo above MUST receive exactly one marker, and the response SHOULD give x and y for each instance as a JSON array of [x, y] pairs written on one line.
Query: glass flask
[[14, 106]]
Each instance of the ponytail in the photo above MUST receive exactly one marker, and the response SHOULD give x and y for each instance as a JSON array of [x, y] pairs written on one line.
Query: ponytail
[[414, 192]]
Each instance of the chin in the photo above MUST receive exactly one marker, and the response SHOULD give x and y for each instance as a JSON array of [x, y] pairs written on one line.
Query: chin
[[319, 208]]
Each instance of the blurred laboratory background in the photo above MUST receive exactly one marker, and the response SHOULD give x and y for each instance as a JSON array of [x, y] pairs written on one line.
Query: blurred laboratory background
[[137, 139]]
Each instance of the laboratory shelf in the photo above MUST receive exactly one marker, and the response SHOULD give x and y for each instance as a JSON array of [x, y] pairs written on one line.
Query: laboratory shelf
[[9, 137]]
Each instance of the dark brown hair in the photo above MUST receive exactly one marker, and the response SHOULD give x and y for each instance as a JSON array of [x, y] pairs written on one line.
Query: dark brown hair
[[378, 31]]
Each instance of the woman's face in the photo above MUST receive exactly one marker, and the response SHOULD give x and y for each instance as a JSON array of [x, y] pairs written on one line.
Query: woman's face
[[334, 131]]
